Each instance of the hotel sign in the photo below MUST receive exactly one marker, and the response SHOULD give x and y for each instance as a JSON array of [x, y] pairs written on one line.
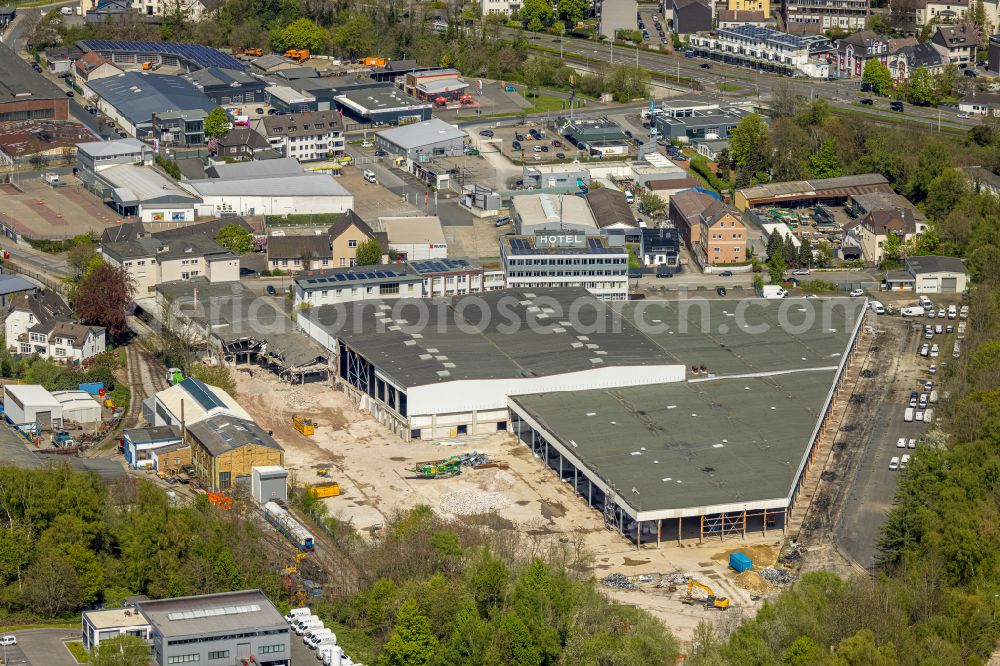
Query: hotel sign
[[548, 239]]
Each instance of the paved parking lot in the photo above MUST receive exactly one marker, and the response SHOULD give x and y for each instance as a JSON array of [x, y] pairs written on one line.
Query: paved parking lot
[[646, 17], [40, 647], [42, 211]]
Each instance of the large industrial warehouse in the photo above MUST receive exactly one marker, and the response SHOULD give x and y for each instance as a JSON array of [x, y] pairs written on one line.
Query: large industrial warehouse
[[448, 378], [618, 398]]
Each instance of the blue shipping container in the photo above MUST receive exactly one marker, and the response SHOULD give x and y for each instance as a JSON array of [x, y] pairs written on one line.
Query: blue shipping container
[[740, 562], [93, 388]]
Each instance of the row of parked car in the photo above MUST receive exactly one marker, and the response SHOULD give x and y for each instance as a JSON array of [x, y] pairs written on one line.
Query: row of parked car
[[318, 637]]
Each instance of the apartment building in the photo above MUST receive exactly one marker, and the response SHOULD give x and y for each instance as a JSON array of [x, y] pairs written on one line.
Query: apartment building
[[318, 135]]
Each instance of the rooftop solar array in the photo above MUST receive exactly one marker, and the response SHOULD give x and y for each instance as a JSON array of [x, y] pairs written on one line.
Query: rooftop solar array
[[351, 277], [761, 34], [205, 398], [212, 612], [197, 54], [441, 265], [524, 246]]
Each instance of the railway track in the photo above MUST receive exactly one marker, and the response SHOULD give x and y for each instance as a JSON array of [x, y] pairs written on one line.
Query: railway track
[[146, 376]]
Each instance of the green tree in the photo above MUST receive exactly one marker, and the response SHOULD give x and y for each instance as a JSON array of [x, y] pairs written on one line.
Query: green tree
[[572, 11], [216, 123], [789, 251], [356, 36], [804, 651], [805, 257], [653, 203], [368, 253], [236, 238], [300, 34], [776, 266], [627, 82], [921, 89], [825, 163], [877, 76], [749, 148], [535, 14], [944, 193], [412, 642], [51, 587], [122, 650], [892, 249]]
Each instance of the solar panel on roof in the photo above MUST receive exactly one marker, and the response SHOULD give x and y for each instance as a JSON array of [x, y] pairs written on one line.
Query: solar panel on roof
[[203, 56], [205, 398]]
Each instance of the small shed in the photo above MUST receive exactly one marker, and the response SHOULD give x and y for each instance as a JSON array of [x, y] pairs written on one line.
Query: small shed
[[270, 483], [31, 407], [78, 406]]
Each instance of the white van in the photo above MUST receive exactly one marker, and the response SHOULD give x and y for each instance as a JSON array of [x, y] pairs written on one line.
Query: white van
[[330, 655], [304, 626], [295, 613], [313, 638], [629, 197], [952, 311], [369, 175], [925, 302], [877, 307], [324, 641], [908, 415], [913, 311], [929, 416]]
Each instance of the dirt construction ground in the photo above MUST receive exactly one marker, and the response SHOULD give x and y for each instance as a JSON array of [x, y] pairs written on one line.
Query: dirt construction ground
[[46, 212], [370, 464]]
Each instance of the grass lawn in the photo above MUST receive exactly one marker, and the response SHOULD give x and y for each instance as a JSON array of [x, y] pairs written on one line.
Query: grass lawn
[[544, 103], [76, 649], [14, 628]]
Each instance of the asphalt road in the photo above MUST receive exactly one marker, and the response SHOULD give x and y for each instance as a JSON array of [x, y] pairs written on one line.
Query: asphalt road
[[842, 93]]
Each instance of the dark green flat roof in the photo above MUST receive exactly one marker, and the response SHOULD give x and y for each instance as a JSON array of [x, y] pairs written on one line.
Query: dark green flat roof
[[689, 448]]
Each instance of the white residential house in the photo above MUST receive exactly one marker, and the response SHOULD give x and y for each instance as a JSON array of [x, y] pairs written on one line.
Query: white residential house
[[152, 261], [39, 324]]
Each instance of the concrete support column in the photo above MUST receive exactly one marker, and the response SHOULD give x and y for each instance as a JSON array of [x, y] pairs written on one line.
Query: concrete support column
[[576, 478], [560, 466], [546, 453], [679, 522], [701, 534], [590, 492], [784, 519], [659, 524], [638, 535], [621, 520]]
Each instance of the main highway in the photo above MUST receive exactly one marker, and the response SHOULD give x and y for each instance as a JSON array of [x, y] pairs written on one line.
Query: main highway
[[719, 79]]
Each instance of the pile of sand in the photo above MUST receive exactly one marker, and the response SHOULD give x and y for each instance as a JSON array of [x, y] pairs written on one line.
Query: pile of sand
[[751, 581]]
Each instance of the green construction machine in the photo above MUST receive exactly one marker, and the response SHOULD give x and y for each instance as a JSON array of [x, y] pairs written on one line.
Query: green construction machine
[[438, 469]]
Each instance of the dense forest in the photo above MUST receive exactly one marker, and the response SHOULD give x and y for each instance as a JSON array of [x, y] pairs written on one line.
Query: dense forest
[[69, 542]]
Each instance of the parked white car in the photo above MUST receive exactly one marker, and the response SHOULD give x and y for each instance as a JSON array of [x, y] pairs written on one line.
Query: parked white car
[[934, 351], [901, 443], [925, 350], [894, 463], [857, 293], [9, 639]]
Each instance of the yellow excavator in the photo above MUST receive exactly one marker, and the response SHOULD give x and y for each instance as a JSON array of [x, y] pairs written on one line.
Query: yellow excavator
[[711, 601]]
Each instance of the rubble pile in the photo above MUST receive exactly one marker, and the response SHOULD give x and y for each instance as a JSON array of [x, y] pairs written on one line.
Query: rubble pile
[[618, 581], [474, 459], [472, 502], [752, 581], [777, 576]]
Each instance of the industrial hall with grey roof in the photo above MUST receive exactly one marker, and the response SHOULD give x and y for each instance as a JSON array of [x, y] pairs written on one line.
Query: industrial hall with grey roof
[[706, 413]]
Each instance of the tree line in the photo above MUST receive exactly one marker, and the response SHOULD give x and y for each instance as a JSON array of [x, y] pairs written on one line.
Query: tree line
[[69, 542]]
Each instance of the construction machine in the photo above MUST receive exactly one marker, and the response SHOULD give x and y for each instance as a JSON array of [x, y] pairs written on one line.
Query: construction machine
[[254, 52], [710, 601], [438, 469]]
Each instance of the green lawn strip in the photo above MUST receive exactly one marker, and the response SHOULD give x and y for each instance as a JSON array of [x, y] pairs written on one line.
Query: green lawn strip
[[79, 653]]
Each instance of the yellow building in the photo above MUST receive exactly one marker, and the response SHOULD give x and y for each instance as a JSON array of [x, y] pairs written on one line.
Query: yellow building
[[225, 449], [751, 6]]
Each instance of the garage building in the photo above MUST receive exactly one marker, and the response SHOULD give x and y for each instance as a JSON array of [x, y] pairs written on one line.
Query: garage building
[[937, 275], [78, 406], [31, 408], [422, 141]]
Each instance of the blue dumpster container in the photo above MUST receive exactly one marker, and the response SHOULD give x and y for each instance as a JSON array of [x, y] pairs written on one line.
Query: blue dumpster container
[[740, 562]]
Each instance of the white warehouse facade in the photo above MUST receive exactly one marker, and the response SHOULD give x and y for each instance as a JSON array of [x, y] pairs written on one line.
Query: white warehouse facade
[[445, 367]]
